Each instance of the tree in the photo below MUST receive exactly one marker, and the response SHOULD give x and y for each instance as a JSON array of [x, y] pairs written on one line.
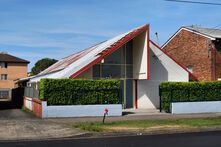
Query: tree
[[41, 65]]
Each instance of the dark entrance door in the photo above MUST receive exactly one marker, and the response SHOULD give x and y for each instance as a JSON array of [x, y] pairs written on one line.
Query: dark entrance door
[[127, 93]]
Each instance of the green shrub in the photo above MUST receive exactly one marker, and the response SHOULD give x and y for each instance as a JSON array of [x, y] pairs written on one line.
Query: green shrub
[[189, 92], [79, 92]]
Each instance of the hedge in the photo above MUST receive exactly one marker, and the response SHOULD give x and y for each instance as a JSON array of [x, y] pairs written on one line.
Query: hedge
[[79, 92], [189, 92]]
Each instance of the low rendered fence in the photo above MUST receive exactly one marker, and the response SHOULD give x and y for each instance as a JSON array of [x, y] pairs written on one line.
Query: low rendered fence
[[191, 95], [42, 110]]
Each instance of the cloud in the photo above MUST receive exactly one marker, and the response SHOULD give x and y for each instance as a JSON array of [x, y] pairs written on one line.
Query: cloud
[[46, 40]]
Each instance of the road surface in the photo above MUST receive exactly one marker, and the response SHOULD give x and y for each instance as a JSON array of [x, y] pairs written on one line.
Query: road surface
[[205, 139]]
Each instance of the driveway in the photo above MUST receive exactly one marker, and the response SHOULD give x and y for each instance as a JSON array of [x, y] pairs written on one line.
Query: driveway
[[15, 114], [16, 124]]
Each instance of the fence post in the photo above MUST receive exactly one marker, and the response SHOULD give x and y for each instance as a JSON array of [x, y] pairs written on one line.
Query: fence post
[[160, 99], [171, 95]]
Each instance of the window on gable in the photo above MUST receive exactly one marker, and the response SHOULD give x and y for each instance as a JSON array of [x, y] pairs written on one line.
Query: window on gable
[[116, 65]]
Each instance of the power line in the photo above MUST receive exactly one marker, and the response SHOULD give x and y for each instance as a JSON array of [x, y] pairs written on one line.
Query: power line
[[194, 2]]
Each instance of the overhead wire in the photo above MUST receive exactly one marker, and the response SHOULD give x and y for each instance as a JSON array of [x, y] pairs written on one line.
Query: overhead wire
[[195, 2]]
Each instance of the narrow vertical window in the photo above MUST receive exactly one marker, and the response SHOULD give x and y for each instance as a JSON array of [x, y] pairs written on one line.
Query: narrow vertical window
[[190, 68]]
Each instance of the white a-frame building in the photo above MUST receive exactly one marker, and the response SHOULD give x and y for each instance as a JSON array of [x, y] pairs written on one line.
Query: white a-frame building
[[130, 57]]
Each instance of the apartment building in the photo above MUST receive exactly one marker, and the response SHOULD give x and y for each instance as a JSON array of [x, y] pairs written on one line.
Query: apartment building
[[11, 69]]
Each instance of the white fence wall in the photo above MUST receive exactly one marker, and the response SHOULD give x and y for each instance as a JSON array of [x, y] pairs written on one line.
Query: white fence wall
[[196, 107], [28, 103], [80, 110]]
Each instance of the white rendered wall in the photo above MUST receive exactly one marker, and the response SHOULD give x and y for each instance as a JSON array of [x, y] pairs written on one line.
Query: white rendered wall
[[162, 64], [80, 110], [162, 68], [140, 56], [147, 93], [196, 107]]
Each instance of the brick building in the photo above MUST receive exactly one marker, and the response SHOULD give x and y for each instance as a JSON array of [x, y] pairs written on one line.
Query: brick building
[[11, 69], [198, 49]]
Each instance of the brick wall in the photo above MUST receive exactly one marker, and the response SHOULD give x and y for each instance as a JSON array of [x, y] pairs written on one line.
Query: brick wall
[[191, 49], [217, 59], [14, 72], [36, 106]]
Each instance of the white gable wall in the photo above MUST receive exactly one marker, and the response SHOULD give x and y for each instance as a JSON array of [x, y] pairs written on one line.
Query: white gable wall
[[140, 56], [162, 68]]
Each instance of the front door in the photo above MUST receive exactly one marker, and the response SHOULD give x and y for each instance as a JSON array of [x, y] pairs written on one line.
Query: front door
[[127, 93]]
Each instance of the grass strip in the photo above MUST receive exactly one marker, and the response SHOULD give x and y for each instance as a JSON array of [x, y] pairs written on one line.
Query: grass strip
[[145, 124]]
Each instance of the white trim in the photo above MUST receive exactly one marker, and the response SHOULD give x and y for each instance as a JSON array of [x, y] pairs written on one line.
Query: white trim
[[192, 31]]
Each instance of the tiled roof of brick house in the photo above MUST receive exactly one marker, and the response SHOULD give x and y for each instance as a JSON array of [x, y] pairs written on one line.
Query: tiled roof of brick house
[[211, 32], [5, 57]]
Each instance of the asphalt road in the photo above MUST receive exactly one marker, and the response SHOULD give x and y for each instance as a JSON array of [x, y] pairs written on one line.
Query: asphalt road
[[205, 139]]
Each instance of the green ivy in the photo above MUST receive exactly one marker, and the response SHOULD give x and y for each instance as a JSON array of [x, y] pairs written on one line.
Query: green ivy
[[189, 92], [79, 91]]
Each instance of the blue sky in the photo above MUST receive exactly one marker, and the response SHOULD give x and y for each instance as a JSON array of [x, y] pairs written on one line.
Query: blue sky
[[34, 29]]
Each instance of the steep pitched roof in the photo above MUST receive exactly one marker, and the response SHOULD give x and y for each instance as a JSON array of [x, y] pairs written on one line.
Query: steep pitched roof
[[74, 65], [65, 62], [4, 57]]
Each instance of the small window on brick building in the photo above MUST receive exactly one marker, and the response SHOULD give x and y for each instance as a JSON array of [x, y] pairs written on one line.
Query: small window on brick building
[[4, 76], [3, 65], [4, 94], [190, 68]]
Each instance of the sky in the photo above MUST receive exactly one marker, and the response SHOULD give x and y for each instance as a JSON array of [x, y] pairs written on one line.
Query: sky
[[36, 29]]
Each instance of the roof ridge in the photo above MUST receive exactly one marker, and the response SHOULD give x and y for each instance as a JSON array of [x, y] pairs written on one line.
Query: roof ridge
[[199, 27]]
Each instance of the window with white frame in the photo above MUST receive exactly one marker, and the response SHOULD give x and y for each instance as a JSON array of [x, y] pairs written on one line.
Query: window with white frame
[[4, 76]]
